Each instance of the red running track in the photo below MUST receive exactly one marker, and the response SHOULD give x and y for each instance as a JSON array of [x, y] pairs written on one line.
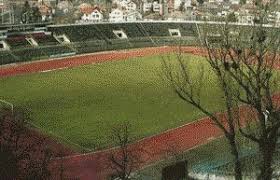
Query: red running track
[[38, 66], [95, 166], [149, 150]]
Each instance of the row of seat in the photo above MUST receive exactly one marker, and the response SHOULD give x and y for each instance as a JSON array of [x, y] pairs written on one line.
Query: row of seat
[[91, 32], [91, 38], [45, 39], [16, 42], [33, 53], [97, 32]]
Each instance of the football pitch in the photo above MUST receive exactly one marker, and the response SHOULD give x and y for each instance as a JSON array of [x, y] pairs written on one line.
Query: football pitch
[[82, 104]]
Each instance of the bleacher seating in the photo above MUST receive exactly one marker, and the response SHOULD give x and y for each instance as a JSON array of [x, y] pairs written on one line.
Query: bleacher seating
[[77, 33], [188, 29], [41, 52], [29, 54], [132, 30], [87, 38], [92, 32], [106, 30], [156, 29], [18, 42], [43, 39], [6, 58], [142, 42], [57, 50], [90, 46]]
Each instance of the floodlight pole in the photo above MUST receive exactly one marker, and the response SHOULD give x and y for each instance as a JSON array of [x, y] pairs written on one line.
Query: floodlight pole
[[9, 104]]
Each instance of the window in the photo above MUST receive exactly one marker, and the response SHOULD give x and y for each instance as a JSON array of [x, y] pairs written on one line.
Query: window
[[175, 32], [120, 34]]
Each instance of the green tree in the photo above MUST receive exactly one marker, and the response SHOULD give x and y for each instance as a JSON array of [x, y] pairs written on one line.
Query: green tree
[[182, 7], [36, 14], [242, 2], [231, 17], [200, 2], [26, 13]]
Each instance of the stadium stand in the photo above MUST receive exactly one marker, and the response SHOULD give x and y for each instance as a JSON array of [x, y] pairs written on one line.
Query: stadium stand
[[18, 42], [6, 57], [29, 54], [90, 46], [88, 38], [106, 30], [42, 52], [156, 29], [132, 30], [188, 30], [77, 33], [44, 39], [142, 42]]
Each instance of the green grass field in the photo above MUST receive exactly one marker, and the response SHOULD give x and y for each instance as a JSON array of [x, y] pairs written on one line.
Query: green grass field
[[81, 104]]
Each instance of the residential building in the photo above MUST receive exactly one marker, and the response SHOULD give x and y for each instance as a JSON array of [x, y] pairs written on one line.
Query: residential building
[[222, 13], [188, 4], [147, 7], [46, 11], [116, 16], [94, 16], [127, 5], [234, 2], [177, 4], [86, 8], [274, 18], [245, 18], [133, 16], [64, 6], [157, 7], [131, 6]]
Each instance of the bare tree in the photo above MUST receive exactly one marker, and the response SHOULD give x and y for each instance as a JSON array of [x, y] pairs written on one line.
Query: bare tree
[[250, 65], [189, 90], [22, 156], [243, 59], [125, 159]]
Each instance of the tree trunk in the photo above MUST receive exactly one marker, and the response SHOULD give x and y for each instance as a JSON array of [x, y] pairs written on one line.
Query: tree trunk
[[237, 162], [267, 151]]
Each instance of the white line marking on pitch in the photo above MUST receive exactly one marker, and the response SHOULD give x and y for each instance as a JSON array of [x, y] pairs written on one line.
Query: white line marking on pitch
[[49, 70]]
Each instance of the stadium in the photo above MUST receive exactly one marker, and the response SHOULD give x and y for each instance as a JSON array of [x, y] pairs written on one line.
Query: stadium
[[79, 80]]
